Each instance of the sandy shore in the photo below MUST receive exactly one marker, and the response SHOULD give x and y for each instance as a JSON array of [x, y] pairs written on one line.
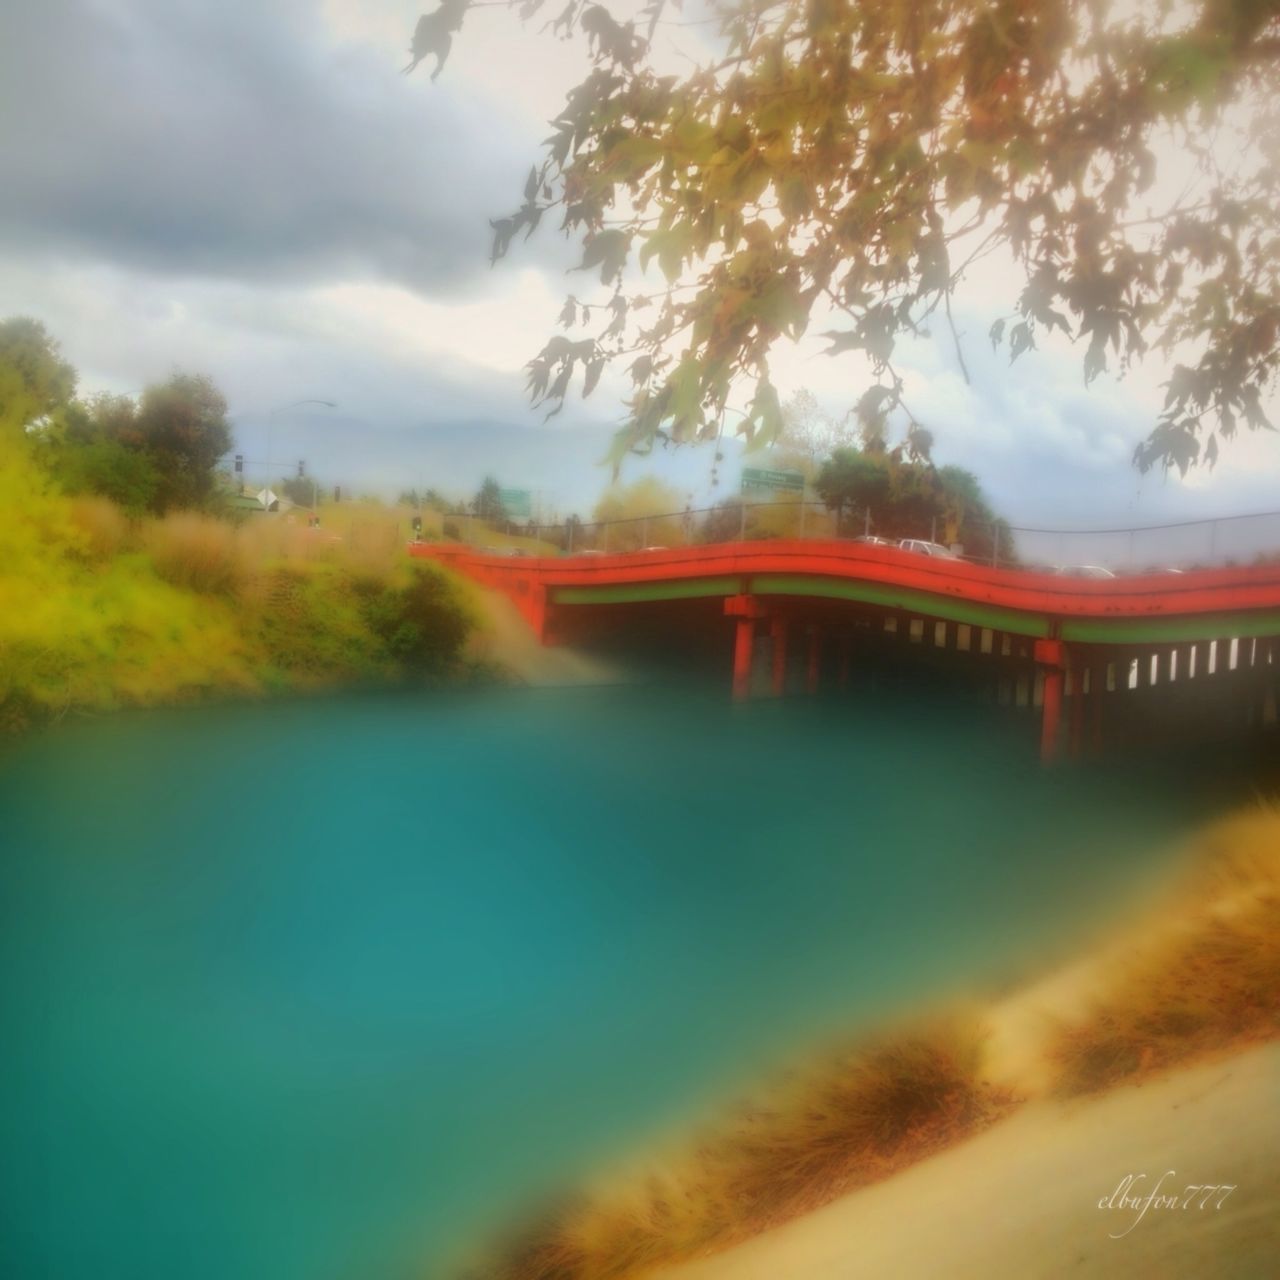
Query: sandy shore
[[506, 638], [1022, 1200]]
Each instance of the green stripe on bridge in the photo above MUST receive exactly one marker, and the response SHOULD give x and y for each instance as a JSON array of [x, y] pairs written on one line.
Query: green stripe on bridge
[[891, 597], [1177, 630], [1150, 630], [641, 592]]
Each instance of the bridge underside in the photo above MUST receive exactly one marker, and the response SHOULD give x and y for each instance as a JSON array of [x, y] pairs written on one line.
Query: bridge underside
[[1136, 688], [1113, 663]]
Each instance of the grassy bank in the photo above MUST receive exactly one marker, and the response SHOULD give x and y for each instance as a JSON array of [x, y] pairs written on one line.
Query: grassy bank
[[1198, 976], [99, 611]]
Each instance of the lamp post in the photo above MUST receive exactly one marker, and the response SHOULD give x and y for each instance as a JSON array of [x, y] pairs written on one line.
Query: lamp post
[[293, 404]]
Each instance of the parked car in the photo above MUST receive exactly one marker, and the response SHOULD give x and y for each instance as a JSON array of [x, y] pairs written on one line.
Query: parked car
[[655, 547], [1083, 571], [872, 541], [923, 547]]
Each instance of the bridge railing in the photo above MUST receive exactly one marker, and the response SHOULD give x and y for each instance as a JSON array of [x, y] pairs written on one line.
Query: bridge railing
[[1238, 539]]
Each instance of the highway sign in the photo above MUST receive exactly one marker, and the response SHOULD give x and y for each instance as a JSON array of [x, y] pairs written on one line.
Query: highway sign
[[517, 502], [758, 478]]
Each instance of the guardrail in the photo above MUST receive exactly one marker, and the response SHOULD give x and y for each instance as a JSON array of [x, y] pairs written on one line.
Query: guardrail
[[1174, 545]]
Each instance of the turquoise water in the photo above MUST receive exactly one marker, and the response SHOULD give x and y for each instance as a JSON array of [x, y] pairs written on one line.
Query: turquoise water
[[316, 990]]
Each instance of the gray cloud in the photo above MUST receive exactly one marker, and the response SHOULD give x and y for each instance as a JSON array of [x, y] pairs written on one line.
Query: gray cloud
[[232, 140]]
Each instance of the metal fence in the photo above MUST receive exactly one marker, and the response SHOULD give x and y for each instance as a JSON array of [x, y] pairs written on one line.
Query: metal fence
[[1241, 539]]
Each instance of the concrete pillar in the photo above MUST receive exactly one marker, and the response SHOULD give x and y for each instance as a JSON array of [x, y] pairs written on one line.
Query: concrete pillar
[[743, 649], [747, 610], [1049, 655]]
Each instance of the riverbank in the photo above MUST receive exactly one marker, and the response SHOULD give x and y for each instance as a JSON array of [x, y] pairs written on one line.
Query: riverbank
[[99, 611], [999, 1087], [1044, 1195]]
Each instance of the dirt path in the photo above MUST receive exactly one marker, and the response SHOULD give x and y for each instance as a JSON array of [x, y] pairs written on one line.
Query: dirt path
[[1022, 1201], [507, 639]]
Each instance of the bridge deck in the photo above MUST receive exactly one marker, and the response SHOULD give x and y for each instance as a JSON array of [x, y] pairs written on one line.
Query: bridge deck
[[1140, 609]]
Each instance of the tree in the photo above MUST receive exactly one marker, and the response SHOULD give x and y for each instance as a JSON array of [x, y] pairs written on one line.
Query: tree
[[302, 491], [423, 498], [103, 466], [853, 480], [182, 423], [853, 158], [913, 499], [487, 503], [35, 381], [634, 513], [723, 523], [809, 433]]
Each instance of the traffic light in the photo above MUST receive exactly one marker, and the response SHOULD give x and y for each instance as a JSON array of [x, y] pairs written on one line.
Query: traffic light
[[302, 469], [337, 493], [239, 464]]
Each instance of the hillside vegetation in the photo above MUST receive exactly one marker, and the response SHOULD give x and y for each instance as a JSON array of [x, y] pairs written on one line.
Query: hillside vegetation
[[100, 610]]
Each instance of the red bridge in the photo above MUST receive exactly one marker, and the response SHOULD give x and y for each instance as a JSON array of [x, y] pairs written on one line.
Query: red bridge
[[1120, 658]]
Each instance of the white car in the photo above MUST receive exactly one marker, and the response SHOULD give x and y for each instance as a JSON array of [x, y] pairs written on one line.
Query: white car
[[1083, 571], [872, 541], [923, 547]]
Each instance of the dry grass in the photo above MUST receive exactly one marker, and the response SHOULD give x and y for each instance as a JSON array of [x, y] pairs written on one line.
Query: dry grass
[[198, 553], [104, 526], [1198, 974], [854, 1116], [1202, 976]]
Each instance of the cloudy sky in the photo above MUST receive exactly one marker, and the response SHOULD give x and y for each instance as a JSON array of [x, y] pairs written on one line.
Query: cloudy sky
[[253, 190]]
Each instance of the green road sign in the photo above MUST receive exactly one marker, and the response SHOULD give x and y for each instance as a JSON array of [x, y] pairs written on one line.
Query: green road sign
[[757, 478], [517, 502]]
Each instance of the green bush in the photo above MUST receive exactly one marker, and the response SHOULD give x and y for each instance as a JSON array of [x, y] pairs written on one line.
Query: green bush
[[423, 623]]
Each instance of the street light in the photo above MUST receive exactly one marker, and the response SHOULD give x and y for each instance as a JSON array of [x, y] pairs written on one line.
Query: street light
[[293, 404]]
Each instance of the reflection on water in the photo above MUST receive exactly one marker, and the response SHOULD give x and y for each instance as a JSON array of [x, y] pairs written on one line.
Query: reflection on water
[[311, 990]]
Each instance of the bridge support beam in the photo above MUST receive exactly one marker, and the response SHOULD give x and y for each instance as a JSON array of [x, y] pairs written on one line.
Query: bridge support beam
[[748, 611], [778, 631], [1049, 655]]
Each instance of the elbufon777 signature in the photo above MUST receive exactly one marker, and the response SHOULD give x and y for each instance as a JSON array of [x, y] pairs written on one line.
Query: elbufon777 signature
[[1163, 1195]]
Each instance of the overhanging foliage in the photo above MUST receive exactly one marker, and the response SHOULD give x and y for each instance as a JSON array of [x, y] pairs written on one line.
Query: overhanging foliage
[[856, 158]]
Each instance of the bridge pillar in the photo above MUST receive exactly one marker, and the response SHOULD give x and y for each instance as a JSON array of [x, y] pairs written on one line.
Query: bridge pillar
[[813, 671], [747, 610], [1050, 656], [778, 630]]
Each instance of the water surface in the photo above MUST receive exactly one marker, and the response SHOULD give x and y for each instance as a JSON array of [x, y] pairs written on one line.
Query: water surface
[[311, 990]]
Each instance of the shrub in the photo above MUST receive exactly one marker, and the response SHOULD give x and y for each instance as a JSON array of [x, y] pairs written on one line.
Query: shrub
[[1203, 975], [311, 622], [852, 1117], [103, 524], [196, 552], [424, 623]]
